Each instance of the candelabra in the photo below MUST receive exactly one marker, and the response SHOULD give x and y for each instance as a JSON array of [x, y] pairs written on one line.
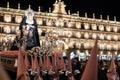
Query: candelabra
[[51, 41]]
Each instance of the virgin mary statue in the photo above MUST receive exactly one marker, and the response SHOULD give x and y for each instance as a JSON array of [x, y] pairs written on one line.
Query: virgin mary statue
[[29, 30]]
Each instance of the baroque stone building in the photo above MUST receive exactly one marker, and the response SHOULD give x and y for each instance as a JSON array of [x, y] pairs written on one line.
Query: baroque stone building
[[76, 33]]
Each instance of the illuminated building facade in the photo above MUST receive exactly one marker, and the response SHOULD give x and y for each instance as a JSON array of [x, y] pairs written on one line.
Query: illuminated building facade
[[73, 30]]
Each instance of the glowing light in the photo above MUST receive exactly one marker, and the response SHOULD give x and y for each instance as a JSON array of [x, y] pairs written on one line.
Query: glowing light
[[86, 45], [109, 47], [78, 45], [49, 22], [108, 37], [101, 36], [7, 18], [86, 26], [78, 34], [78, 25], [94, 27], [18, 19], [108, 28], [86, 35], [69, 24], [57, 23], [7, 29], [115, 37], [115, 46], [115, 28], [39, 21], [101, 27], [39, 31], [94, 35]]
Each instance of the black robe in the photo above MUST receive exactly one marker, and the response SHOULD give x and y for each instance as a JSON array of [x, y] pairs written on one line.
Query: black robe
[[35, 37]]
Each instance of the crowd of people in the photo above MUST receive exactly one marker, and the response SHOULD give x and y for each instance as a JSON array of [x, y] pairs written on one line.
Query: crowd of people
[[77, 70]]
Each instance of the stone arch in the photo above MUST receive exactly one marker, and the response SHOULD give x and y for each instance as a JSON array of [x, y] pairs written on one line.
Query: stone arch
[[63, 45]]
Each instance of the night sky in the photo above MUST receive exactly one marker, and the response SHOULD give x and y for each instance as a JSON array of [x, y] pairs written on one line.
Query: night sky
[[104, 7]]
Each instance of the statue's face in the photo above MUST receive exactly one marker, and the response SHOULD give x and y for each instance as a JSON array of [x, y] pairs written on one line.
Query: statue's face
[[30, 15]]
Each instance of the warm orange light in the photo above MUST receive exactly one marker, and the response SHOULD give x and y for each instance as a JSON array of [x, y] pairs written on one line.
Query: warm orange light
[[101, 27], [108, 28], [115, 28], [7, 18], [86, 26], [94, 27], [39, 21], [49, 23], [18, 19], [78, 34], [78, 25], [86, 35], [7, 29]]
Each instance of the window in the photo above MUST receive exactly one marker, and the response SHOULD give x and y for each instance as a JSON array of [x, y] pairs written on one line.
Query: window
[[82, 56], [118, 57], [72, 55], [64, 54], [104, 57]]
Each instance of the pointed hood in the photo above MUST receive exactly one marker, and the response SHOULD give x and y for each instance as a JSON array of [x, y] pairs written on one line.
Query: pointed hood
[[36, 68], [44, 62], [48, 63], [112, 74], [54, 62], [90, 72], [22, 73], [112, 65], [3, 74], [62, 63], [27, 63], [34, 62], [69, 66], [40, 62]]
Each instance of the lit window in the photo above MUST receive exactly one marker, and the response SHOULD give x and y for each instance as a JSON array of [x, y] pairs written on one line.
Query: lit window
[[7, 18], [63, 54], [72, 55]]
